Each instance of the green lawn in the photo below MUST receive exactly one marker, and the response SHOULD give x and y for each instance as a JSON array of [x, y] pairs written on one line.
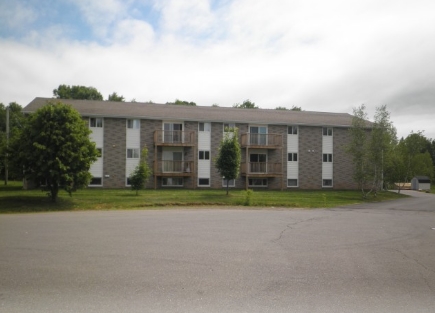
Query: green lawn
[[14, 199]]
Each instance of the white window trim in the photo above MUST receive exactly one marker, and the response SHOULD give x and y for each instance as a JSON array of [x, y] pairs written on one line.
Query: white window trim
[[203, 185], [135, 122], [297, 183], [96, 119], [327, 186]]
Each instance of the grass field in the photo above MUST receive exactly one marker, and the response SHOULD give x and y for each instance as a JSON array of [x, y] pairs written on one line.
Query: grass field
[[14, 199]]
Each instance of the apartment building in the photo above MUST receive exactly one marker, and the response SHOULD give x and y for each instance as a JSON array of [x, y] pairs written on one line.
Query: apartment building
[[280, 149]]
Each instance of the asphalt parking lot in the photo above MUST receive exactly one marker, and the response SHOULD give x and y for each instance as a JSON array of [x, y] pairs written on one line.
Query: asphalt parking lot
[[360, 258]]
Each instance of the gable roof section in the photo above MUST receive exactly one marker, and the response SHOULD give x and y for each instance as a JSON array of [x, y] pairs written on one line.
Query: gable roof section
[[94, 108]]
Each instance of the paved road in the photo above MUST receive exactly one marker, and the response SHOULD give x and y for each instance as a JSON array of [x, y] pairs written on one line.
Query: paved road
[[362, 258]]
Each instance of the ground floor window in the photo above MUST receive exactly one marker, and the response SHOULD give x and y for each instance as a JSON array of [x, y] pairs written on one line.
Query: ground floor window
[[204, 182], [172, 181], [292, 182], [257, 182], [232, 183], [96, 181], [327, 183]]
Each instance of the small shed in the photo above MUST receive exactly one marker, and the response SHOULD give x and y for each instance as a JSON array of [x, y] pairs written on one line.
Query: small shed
[[420, 183]]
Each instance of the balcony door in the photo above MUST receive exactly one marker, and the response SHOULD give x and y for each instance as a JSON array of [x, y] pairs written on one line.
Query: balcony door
[[172, 161], [173, 132], [258, 135], [258, 163]]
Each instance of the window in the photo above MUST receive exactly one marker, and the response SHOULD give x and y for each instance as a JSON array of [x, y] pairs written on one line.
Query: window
[[327, 157], [203, 181], [133, 153], [96, 122], [100, 152], [258, 163], [133, 124], [172, 181], [128, 183], [327, 183], [257, 182], [204, 127], [291, 182], [231, 183], [327, 131], [258, 135], [96, 181], [173, 132], [228, 126], [292, 130], [204, 155], [292, 157]]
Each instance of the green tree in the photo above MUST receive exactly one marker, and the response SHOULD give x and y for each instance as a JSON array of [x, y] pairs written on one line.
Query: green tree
[[382, 140], [180, 102], [359, 147], [77, 92], [16, 120], [54, 149], [229, 156], [247, 104], [114, 97], [412, 147], [141, 173]]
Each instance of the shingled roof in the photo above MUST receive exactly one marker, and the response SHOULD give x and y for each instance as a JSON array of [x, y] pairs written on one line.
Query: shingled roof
[[94, 108]]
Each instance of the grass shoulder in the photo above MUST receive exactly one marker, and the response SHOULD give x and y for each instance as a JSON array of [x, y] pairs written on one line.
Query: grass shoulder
[[14, 199]]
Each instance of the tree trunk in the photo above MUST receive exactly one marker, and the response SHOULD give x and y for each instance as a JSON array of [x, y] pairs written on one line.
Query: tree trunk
[[228, 182], [54, 192]]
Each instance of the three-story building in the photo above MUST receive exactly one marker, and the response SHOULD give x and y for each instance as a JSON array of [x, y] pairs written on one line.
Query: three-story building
[[280, 149]]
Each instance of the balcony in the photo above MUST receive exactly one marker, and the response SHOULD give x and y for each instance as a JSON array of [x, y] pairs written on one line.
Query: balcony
[[175, 138], [264, 141], [261, 169], [174, 168]]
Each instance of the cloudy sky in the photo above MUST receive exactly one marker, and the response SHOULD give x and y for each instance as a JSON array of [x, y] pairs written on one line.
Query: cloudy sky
[[320, 55]]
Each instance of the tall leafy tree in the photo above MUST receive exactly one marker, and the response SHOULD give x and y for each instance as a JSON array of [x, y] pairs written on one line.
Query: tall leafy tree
[[359, 147], [229, 157], [115, 97], [16, 121], [141, 173], [382, 140], [54, 149], [247, 104], [77, 92]]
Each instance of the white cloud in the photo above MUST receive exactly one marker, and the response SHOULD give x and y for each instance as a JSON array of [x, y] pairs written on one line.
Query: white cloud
[[16, 15], [323, 56]]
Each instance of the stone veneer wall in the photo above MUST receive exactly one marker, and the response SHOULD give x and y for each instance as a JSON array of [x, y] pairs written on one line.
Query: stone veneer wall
[[191, 154], [310, 157], [216, 138], [147, 129], [310, 162], [114, 153], [343, 165]]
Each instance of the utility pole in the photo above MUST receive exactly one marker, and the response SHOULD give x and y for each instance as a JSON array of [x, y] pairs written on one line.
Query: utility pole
[[7, 145]]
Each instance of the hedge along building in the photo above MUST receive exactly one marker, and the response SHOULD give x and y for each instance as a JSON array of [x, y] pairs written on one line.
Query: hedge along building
[[280, 149]]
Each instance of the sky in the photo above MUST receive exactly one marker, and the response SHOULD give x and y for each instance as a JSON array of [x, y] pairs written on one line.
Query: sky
[[327, 56]]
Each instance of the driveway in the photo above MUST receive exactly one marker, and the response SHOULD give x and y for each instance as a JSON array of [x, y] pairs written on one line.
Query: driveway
[[360, 258]]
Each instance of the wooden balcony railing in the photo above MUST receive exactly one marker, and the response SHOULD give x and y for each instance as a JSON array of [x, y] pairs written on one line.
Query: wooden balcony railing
[[175, 168], [175, 137], [261, 140], [261, 168]]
